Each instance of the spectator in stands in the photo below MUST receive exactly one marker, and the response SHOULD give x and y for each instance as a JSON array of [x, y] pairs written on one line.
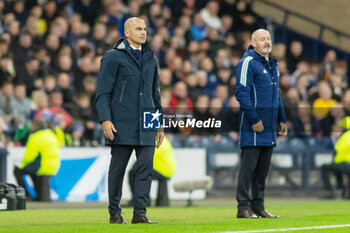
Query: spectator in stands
[[337, 85], [89, 88], [165, 76], [322, 105], [23, 51], [52, 45], [282, 66], [210, 16], [49, 84], [294, 55], [21, 105], [202, 81], [231, 119], [82, 111], [13, 30], [302, 85], [198, 28], [4, 46], [328, 65], [341, 69], [77, 134], [291, 102], [185, 26], [212, 79], [4, 70], [180, 94], [222, 94], [245, 18], [225, 77], [279, 51], [63, 84], [284, 84], [302, 122], [98, 36], [192, 86], [57, 108], [5, 141], [158, 48], [215, 42], [20, 12], [302, 67], [7, 107], [40, 102], [226, 29], [29, 74], [222, 59], [216, 111]]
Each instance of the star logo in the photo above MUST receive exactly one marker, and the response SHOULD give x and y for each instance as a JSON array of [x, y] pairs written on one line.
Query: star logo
[[156, 115], [151, 120]]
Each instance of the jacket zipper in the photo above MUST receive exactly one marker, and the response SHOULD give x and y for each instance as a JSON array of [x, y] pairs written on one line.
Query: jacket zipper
[[121, 96]]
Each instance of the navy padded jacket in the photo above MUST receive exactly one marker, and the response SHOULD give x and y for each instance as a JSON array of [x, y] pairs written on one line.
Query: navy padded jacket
[[259, 95]]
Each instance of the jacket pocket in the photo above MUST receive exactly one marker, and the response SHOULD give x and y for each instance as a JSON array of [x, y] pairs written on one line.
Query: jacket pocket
[[122, 93]]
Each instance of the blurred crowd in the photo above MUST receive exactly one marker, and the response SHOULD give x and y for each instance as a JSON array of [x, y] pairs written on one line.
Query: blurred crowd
[[50, 53]]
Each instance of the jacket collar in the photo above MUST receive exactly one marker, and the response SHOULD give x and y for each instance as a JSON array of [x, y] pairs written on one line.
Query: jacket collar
[[251, 52], [123, 44]]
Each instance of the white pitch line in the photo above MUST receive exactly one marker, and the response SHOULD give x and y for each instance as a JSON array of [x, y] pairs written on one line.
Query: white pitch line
[[292, 229]]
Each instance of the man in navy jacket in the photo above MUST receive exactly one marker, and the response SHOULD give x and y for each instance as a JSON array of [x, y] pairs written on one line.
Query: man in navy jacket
[[128, 85], [261, 112]]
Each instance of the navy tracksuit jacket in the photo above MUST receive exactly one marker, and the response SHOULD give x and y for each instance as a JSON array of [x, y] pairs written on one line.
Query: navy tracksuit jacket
[[259, 95]]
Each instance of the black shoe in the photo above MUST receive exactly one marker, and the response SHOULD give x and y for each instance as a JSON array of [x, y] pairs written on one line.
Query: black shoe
[[264, 214], [116, 219], [142, 218], [247, 213]]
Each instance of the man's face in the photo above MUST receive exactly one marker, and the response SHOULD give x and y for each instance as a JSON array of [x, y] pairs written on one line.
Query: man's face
[[136, 30], [262, 43]]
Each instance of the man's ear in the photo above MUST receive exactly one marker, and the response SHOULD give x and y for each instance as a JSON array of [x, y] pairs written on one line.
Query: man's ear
[[126, 32], [253, 43]]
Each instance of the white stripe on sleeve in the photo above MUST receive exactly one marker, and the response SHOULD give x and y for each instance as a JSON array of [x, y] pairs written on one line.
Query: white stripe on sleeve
[[244, 70]]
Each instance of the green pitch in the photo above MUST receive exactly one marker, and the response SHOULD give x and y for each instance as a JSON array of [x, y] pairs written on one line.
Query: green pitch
[[181, 219]]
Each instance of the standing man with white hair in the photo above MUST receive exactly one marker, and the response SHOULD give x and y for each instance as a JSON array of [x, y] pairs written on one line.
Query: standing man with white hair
[[262, 111]]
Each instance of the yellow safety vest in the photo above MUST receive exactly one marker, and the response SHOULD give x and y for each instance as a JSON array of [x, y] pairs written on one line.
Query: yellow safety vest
[[343, 148], [45, 143], [164, 161]]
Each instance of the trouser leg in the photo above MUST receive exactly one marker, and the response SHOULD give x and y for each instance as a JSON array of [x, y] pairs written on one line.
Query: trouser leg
[[20, 181], [119, 161], [132, 174], [249, 159], [162, 194], [260, 174], [325, 175], [143, 178]]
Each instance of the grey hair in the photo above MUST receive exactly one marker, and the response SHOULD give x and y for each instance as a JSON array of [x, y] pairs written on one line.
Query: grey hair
[[258, 30]]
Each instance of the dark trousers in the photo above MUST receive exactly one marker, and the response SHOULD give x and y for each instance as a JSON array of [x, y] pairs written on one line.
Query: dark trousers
[[162, 194], [143, 176], [255, 163], [336, 168]]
